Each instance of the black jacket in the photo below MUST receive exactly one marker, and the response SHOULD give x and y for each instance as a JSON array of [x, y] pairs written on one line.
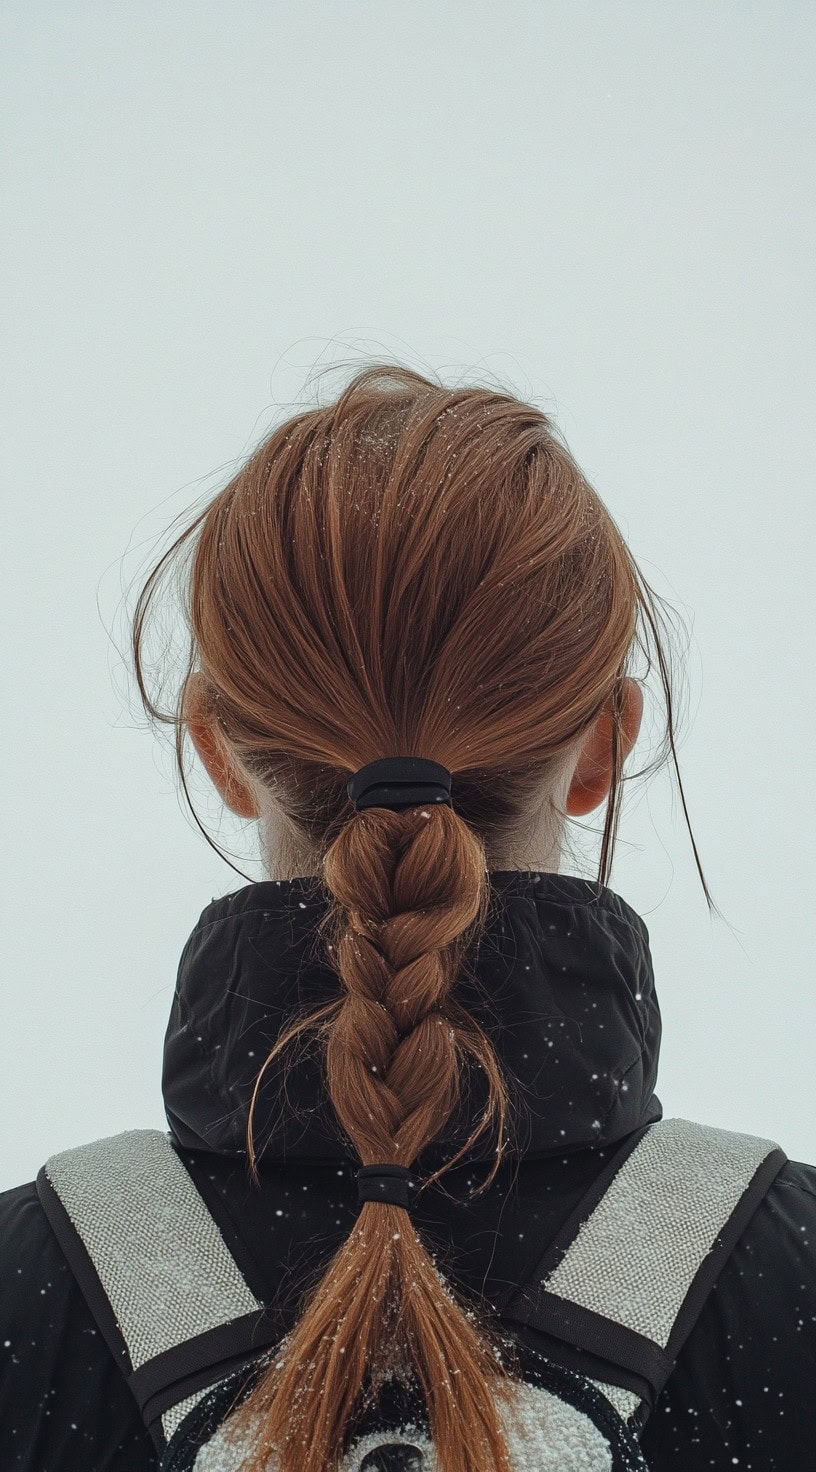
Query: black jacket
[[564, 984]]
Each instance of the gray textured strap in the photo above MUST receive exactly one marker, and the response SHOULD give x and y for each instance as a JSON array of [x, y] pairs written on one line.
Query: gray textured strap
[[169, 1275], [158, 1254], [634, 1258]]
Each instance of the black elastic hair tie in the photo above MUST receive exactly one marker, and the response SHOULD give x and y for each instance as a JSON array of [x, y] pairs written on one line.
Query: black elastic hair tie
[[393, 1183], [399, 782]]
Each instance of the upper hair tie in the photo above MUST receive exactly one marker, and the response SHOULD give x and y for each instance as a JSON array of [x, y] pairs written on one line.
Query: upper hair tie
[[393, 1183], [399, 782]]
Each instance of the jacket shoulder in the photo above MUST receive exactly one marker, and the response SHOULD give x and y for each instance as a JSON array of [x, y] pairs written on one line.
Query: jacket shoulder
[[64, 1401], [743, 1380], [800, 1176]]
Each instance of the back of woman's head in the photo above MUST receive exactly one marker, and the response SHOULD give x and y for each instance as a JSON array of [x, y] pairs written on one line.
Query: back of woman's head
[[412, 570]]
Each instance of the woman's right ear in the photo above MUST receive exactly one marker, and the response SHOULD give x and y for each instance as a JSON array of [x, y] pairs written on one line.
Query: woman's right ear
[[214, 753]]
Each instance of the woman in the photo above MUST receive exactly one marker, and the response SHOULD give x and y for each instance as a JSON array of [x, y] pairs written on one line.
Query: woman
[[422, 573]]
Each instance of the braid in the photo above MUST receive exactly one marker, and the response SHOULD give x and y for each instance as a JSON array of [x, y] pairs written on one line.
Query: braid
[[394, 1052], [409, 890]]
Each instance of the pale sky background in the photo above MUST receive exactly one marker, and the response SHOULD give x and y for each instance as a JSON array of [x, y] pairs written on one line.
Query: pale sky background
[[608, 207]]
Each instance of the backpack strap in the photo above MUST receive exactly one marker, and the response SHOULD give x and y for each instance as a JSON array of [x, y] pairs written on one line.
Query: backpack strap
[[625, 1280], [614, 1296], [163, 1286]]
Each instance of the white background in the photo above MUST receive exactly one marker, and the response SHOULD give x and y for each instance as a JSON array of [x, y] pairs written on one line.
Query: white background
[[608, 207]]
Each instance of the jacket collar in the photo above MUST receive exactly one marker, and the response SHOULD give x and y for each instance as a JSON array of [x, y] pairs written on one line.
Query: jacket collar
[[565, 990]]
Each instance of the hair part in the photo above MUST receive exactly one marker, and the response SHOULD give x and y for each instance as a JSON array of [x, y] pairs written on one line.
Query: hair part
[[419, 570]]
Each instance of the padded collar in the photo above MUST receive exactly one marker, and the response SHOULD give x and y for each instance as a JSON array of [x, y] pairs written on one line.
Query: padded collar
[[565, 988]]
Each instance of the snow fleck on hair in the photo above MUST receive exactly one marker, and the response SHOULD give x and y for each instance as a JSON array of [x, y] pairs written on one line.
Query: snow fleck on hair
[[410, 570]]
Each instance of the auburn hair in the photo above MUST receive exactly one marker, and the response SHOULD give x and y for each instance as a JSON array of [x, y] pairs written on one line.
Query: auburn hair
[[413, 570]]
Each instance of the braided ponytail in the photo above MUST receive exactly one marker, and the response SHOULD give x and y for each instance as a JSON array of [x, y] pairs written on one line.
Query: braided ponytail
[[409, 889]]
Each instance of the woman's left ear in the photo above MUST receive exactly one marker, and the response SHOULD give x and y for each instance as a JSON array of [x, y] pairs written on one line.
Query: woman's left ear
[[592, 777], [210, 746]]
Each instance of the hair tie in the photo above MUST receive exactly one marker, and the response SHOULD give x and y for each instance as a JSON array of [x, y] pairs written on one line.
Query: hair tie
[[399, 782], [392, 1183]]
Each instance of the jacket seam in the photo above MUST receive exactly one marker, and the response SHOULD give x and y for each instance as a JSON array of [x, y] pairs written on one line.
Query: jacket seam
[[615, 1100], [595, 903], [237, 915], [797, 1186]]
